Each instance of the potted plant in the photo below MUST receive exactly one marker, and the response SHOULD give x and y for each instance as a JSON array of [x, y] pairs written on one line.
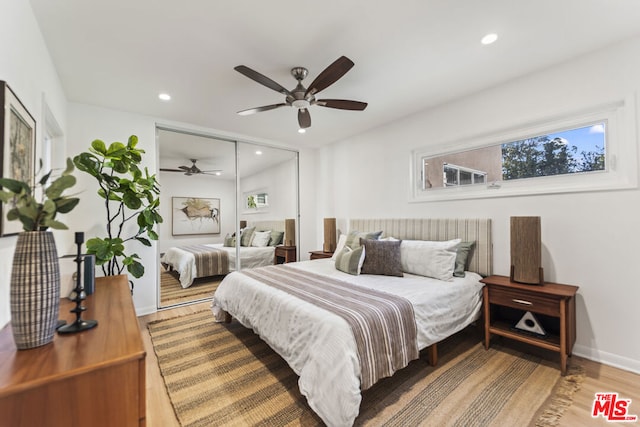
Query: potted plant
[[35, 274], [130, 197]]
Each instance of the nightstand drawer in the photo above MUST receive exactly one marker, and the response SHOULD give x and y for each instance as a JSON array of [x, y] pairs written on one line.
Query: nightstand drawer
[[528, 301]]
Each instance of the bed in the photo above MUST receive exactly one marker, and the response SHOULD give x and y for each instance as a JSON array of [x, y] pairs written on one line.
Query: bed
[[195, 261], [320, 346]]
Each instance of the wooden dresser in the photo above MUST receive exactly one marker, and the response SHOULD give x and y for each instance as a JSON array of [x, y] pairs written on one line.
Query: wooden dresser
[[90, 378]]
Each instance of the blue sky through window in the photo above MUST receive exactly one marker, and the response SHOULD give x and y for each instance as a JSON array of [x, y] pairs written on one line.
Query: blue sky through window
[[585, 138]]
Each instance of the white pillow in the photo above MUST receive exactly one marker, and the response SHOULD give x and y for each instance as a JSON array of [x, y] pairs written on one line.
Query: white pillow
[[428, 258], [261, 239], [341, 242]]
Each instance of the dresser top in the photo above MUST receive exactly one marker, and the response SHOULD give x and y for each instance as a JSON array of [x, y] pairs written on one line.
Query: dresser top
[[115, 340]]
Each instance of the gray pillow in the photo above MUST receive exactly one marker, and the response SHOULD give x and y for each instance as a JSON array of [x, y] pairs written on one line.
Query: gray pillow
[[276, 238], [353, 238], [462, 256], [246, 236], [382, 257], [350, 260]]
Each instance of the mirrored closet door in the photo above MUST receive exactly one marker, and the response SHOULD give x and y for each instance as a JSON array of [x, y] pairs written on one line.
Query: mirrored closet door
[[211, 188], [268, 201], [198, 204]]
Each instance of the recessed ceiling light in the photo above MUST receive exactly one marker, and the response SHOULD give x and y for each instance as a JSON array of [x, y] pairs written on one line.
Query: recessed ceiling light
[[489, 38], [302, 130], [259, 153], [218, 173], [164, 96]]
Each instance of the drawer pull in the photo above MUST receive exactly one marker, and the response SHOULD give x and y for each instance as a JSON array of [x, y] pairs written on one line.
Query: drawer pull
[[521, 301]]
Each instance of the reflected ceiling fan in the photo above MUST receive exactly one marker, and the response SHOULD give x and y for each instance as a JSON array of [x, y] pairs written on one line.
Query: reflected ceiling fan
[[302, 98], [193, 170]]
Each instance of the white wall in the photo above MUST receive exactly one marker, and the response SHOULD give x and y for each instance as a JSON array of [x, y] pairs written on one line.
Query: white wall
[[87, 123], [26, 66], [590, 239], [179, 185], [279, 182]]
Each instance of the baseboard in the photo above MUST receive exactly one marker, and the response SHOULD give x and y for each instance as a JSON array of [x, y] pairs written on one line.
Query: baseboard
[[143, 311], [605, 358]]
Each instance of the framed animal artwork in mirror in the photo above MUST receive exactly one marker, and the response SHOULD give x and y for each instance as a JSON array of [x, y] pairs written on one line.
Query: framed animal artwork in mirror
[[195, 215]]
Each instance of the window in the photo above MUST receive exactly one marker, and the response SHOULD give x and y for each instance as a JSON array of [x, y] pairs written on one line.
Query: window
[[571, 151], [584, 152], [454, 175], [256, 201]]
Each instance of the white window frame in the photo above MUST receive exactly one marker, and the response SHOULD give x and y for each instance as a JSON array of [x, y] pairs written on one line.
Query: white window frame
[[620, 151]]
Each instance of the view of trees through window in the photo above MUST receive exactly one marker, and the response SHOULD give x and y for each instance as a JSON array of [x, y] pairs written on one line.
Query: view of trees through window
[[571, 151], [566, 152]]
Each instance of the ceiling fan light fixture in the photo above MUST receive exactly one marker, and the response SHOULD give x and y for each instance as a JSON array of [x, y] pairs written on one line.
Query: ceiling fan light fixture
[[300, 97], [301, 103]]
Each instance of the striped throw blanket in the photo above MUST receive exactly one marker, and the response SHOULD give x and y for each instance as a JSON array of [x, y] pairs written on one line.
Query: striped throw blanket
[[209, 261], [383, 324]]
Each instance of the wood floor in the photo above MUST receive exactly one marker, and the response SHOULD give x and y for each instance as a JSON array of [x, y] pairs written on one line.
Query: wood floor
[[600, 378]]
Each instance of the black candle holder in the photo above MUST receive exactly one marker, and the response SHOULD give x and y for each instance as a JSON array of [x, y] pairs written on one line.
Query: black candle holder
[[80, 295]]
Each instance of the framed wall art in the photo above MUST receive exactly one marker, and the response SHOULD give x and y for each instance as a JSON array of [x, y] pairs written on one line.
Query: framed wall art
[[17, 148], [195, 215]]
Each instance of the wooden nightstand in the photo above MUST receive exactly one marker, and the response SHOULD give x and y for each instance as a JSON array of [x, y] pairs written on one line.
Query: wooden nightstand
[[320, 254], [284, 254], [505, 302]]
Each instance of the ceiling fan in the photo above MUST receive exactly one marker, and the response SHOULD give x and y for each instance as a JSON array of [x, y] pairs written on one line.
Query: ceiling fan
[[193, 170], [302, 98]]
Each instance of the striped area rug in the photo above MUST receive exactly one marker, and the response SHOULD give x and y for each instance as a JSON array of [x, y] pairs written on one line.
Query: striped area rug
[[223, 374], [172, 293]]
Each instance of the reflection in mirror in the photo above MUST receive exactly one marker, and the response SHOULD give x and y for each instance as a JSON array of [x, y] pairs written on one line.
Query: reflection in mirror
[[200, 240], [198, 203], [574, 150], [256, 200], [269, 187]]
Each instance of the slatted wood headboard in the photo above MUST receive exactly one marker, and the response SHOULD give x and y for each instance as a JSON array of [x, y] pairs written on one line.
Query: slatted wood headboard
[[467, 229]]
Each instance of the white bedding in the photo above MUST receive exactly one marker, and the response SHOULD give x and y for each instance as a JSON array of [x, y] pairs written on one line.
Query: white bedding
[[319, 346], [184, 262]]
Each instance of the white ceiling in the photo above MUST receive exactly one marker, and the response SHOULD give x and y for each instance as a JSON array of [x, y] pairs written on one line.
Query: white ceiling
[[409, 55]]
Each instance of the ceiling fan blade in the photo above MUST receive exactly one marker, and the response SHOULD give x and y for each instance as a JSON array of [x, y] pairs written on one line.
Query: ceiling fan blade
[[263, 80], [342, 104], [304, 118], [330, 75], [170, 170], [260, 109], [185, 168]]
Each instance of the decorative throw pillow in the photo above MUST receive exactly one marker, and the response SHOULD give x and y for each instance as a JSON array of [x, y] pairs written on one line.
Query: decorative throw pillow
[[353, 238], [428, 258], [229, 240], [276, 238], [382, 257], [246, 236], [462, 255], [341, 241], [350, 260], [261, 238]]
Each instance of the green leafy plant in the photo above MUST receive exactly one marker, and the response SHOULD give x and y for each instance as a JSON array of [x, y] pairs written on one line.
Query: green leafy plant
[[37, 212], [130, 196]]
